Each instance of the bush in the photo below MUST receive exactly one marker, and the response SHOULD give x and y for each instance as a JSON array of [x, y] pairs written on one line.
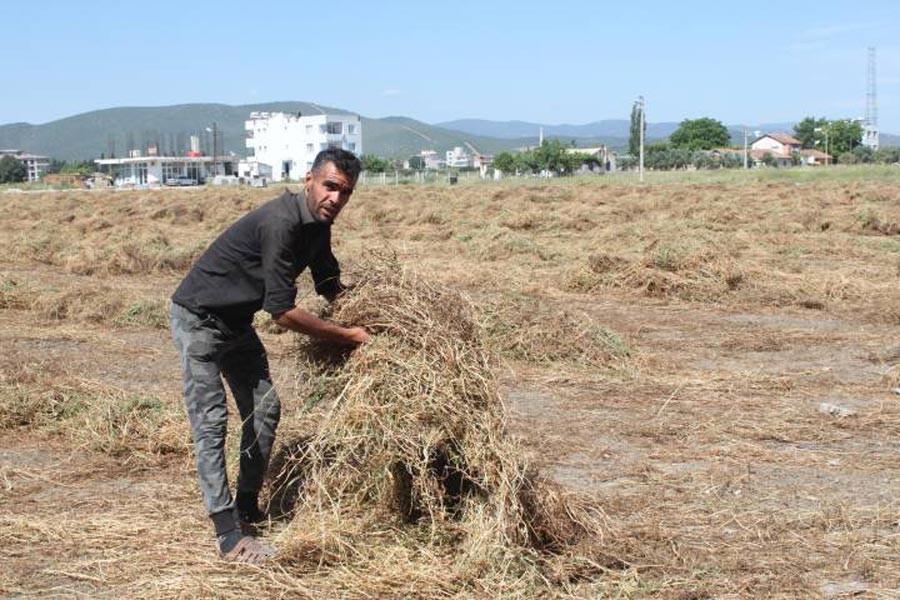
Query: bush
[[848, 158], [887, 155]]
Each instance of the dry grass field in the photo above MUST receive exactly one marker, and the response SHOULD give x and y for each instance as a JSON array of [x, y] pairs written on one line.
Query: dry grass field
[[710, 361]]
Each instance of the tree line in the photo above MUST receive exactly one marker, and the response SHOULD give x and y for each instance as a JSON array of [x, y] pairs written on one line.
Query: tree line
[[552, 156], [13, 170], [691, 143]]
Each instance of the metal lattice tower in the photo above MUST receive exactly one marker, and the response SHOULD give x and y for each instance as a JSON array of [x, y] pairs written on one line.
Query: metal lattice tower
[[870, 129]]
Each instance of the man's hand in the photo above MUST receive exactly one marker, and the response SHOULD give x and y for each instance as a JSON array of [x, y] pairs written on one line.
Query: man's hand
[[359, 334], [303, 321]]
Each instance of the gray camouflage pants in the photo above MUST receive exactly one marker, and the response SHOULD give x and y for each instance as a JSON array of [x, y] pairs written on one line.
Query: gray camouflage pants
[[209, 350]]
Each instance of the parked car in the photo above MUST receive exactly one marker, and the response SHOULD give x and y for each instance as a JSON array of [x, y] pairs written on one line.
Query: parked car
[[179, 181]]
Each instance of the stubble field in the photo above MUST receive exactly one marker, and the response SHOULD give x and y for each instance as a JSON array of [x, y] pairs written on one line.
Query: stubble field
[[711, 361]]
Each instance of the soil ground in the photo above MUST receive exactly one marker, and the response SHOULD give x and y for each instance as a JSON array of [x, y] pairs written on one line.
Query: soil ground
[[744, 452], [614, 440]]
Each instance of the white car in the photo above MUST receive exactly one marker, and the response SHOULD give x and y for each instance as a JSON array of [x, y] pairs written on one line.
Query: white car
[[179, 181]]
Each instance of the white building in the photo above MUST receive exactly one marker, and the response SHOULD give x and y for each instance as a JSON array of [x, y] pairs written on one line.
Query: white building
[[783, 149], [432, 159], [289, 143], [870, 136], [35, 165], [781, 145], [152, 171], [253, 169], [605, 160], [458, 158]]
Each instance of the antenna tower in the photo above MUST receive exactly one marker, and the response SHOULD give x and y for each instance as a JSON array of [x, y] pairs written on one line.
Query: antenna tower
[[870, 129]]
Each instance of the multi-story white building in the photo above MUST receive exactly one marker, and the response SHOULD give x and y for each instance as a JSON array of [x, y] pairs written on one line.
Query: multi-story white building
[[35, 165], [289, 143], [458, 158], [432, 159]]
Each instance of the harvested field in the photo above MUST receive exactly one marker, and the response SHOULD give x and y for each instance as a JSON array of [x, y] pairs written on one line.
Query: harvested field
[[704, 369]]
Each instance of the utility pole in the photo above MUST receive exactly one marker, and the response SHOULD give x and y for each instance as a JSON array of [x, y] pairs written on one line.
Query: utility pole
[[870, 127], [641, 164], [215, 134], [746, 162], [825, 131], [215, 150]]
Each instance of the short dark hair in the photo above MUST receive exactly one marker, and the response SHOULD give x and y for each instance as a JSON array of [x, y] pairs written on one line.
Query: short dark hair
[[343, 160]]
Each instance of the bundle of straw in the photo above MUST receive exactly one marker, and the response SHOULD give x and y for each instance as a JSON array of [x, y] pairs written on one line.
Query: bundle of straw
[[408, 465]]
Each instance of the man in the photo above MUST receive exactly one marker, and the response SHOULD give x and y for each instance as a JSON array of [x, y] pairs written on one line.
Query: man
[[251, 266]]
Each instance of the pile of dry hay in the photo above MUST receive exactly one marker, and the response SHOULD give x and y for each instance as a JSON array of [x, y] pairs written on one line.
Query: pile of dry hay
[[409, 482]]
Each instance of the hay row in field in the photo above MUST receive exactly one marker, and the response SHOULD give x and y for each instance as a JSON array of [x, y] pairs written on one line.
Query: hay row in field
[[93, 416], [91, 303], [715, 277]]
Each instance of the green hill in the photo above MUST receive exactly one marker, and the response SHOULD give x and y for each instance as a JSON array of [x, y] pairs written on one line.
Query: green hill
[[115, 130]]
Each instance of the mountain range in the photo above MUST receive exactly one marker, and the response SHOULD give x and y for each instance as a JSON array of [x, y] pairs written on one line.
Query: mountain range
[[111, 131]]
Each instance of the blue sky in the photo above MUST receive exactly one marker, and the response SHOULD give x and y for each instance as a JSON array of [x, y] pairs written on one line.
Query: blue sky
[[548, 62]]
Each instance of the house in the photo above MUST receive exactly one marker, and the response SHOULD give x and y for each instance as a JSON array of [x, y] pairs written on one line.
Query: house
[[35, 165], [780, 146], [814, 158], [605, 159], [289, 143], [432, 160], [153, 171], [482, 161]]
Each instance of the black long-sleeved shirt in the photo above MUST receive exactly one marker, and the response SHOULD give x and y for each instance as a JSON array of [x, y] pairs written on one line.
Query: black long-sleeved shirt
[[253, 265]]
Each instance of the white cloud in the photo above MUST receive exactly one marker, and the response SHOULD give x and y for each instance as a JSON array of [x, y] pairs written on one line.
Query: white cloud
[[390, 92]]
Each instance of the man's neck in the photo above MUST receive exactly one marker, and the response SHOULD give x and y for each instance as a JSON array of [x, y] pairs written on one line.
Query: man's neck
[[306, 216]]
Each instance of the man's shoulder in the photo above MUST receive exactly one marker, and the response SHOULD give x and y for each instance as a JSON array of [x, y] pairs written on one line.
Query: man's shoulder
[[281, 211], [286, 198]]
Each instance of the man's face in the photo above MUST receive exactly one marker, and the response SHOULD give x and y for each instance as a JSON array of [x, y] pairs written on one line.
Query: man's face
[[327, 192]]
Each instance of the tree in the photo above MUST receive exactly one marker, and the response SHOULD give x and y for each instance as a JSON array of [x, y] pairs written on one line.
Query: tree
[[551, 155], [54, 166], [834, 137], [700, 134], [847, 158], [416, 162], [805, 131], [12, 170], [505, 162], [634, 139], [843, 136], [374, 164], [83, 168], [657, 146], [660, 156]]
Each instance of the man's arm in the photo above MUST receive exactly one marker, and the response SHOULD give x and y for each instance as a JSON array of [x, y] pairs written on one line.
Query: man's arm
[[303, 321]]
